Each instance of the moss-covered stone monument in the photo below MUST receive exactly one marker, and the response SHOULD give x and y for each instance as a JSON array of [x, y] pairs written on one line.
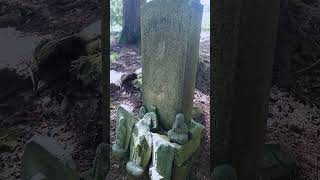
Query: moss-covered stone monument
[[164, 136]]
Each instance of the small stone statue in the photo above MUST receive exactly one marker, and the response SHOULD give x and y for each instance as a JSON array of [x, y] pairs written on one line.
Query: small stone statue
[[124, 127], [151, 116], [224, 172], [140, 147], [142, 112], [179, 131]]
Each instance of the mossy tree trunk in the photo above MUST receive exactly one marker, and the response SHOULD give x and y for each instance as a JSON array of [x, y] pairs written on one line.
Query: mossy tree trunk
[[244, 42], [131, 22]]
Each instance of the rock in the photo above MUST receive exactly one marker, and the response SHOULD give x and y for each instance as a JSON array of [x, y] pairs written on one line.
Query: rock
[[91, 32], [140, 148], [101, 161], [93, 47], [162, 158], [127, 79], [65, 105], [53, 57], [88, 70], [179, 131], [44, 155], [137, 83]]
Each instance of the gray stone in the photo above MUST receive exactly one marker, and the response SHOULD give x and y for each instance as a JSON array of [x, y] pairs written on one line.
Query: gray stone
[[170, 52], [140, 147], [44, 155], [101, 161], [162, 158], [91, 32], [124, 127], [179, 131]]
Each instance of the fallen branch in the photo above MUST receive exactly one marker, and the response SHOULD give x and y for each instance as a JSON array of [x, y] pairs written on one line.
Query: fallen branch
[[3, 137], [308, 68]]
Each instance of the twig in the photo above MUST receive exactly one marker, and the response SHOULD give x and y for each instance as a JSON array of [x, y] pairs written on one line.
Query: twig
[[3, 137], [308, 68]]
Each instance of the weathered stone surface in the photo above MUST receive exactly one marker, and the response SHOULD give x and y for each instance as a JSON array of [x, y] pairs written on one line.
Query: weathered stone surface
[[91, 32], [140, 147], [179, 131], [54, 57], [184, 152], [94, 47], [44, 155], [101, 162], [87, 70], [196, 113], [170, 53], [182, 172], [162, 158], [124, 128]]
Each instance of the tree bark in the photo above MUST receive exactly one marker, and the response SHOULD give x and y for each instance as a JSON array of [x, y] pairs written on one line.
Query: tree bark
[[244, 42], [131, 22]]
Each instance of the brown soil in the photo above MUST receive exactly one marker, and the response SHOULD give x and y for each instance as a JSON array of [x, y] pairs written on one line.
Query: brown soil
[[79, 130]]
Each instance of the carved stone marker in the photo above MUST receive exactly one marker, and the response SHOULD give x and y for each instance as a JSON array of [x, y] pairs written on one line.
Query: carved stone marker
[[166, 134], [170, 34], [162, 158], [124, 127], [43, 158]]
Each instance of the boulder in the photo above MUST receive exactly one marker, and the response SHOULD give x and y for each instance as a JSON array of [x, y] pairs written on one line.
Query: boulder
[[44, 155], [53, 57]]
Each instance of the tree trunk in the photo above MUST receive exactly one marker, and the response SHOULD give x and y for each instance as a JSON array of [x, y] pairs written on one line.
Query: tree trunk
[[105, 71], [244, 41], [131, 22]]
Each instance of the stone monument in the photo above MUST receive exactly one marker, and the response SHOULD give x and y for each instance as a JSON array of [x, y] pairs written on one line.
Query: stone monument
[[165, 133]]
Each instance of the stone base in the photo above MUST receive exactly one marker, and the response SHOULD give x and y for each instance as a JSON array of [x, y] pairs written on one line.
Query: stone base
[[184, 155], [44, 157], [185, 152]]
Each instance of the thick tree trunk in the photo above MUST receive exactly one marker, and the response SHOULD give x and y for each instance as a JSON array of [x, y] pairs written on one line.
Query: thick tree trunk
[[131, 22], [244, 41]]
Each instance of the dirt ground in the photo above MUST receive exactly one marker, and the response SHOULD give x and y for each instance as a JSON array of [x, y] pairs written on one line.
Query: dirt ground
[[79, 130]]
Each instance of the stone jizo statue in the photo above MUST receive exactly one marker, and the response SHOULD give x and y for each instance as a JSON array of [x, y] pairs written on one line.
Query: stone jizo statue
[[179, 131]]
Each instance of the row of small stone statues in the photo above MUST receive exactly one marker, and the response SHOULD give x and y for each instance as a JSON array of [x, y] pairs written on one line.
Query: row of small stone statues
[[134, 138]]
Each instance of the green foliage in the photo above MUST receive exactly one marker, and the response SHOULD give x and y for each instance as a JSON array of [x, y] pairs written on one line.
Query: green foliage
[[115, 14], [137, 83], [114, 56]]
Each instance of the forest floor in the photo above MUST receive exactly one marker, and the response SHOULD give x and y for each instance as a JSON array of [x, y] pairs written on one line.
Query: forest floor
[[79, 130], [293, 121]]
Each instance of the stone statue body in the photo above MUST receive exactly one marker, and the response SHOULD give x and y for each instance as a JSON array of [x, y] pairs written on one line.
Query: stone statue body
[[124, 127], [179, 131]]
